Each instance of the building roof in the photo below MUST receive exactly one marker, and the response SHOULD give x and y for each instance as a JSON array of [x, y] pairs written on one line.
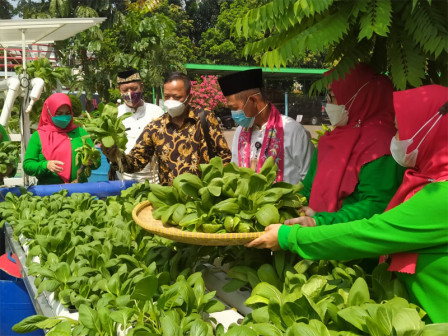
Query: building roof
[[290, 73], [43, 30]]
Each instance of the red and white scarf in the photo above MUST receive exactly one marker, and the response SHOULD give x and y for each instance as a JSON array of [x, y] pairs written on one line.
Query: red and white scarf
[[273, 144]]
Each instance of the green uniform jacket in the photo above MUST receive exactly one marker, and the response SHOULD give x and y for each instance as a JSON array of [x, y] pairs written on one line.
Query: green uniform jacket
[[378, 182], [418, 225], [35, 163]]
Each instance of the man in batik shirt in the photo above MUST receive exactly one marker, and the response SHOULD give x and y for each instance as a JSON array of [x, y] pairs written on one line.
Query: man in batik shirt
[[177, 137]]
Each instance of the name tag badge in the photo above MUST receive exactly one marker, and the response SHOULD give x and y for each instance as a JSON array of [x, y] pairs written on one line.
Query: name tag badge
[[254, 160]]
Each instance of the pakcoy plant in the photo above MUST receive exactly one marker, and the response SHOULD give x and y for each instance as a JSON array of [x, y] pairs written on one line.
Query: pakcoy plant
[[148, 305], [108, 129], [324, 130], [249, 272], [331, 298], [93, 258], [226, 199], [86, 156], [9, 153]]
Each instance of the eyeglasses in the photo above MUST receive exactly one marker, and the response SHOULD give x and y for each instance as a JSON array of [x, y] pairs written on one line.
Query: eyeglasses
[[329, 97]]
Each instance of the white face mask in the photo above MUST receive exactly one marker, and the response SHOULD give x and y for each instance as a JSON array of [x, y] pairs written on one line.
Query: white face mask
[[399, 148], [337, 113], [174, 107]]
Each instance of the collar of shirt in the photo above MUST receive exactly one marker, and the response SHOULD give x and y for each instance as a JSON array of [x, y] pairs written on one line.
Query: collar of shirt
[[255, 128], [137, 113], [192, 116]]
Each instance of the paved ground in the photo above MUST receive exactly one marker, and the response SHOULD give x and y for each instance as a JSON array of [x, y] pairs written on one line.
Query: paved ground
[[229, 133]]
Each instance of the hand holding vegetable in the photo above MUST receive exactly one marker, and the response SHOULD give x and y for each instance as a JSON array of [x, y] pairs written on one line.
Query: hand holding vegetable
[[307, 211], [55, 166], [112, 153], [108, 129], [304, 221], [86, 156], [9, 170], [268, 240]]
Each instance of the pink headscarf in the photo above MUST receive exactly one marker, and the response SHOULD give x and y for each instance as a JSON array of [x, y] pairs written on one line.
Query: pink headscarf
[[413, 108], [55, 141], [366, 137]]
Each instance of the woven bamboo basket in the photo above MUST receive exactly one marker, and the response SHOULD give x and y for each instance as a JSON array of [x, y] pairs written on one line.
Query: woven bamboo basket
[[142, 215]]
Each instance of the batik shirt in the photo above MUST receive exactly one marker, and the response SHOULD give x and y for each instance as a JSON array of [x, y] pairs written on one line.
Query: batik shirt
[[178, 150], [135, 125]]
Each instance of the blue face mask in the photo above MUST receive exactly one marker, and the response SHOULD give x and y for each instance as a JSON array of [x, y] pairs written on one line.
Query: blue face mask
[[240, 117], [61, 121]]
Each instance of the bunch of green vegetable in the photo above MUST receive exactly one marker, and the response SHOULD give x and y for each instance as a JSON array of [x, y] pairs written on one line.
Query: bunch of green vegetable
[[86, 156], [226, 199], [249, 271], [108, 129], [325, 129], [9, 153], [340, 302], [145, 305], [95, 259]]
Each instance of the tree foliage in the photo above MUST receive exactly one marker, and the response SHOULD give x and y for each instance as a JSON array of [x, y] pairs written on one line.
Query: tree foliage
[[70, 8], [184, 31], [147, 41], [408, 39], [6, 10], [204, 15], [135, 34], [53, 77], [218, 44]]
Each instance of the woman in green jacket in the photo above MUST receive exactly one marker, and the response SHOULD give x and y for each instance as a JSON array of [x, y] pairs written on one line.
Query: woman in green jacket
[[352, 174], [51, 155], [414, 228]]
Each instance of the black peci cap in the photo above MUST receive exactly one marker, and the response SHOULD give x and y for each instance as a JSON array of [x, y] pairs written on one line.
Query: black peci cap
[[241, 81], [128, 76]]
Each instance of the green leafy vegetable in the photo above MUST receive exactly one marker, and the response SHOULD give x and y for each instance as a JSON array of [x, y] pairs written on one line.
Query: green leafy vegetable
[[9, 153], [86, 155], [226, 199], [108, 129]]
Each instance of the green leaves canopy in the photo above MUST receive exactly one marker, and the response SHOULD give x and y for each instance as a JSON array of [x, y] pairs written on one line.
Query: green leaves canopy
[[407, 39]]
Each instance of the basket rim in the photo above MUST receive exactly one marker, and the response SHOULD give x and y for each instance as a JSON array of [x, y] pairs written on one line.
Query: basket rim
[[175, 232]]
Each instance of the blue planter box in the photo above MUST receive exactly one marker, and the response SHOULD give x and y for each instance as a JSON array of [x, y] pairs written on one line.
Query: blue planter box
[[100, 174], [15, 305]]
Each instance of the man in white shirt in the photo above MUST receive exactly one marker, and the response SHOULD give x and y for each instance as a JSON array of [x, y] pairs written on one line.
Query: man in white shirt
[[263, 131], [131, 89]]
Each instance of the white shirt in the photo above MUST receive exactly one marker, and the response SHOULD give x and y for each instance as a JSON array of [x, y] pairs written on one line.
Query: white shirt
[[298, 148], [135, 125]]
